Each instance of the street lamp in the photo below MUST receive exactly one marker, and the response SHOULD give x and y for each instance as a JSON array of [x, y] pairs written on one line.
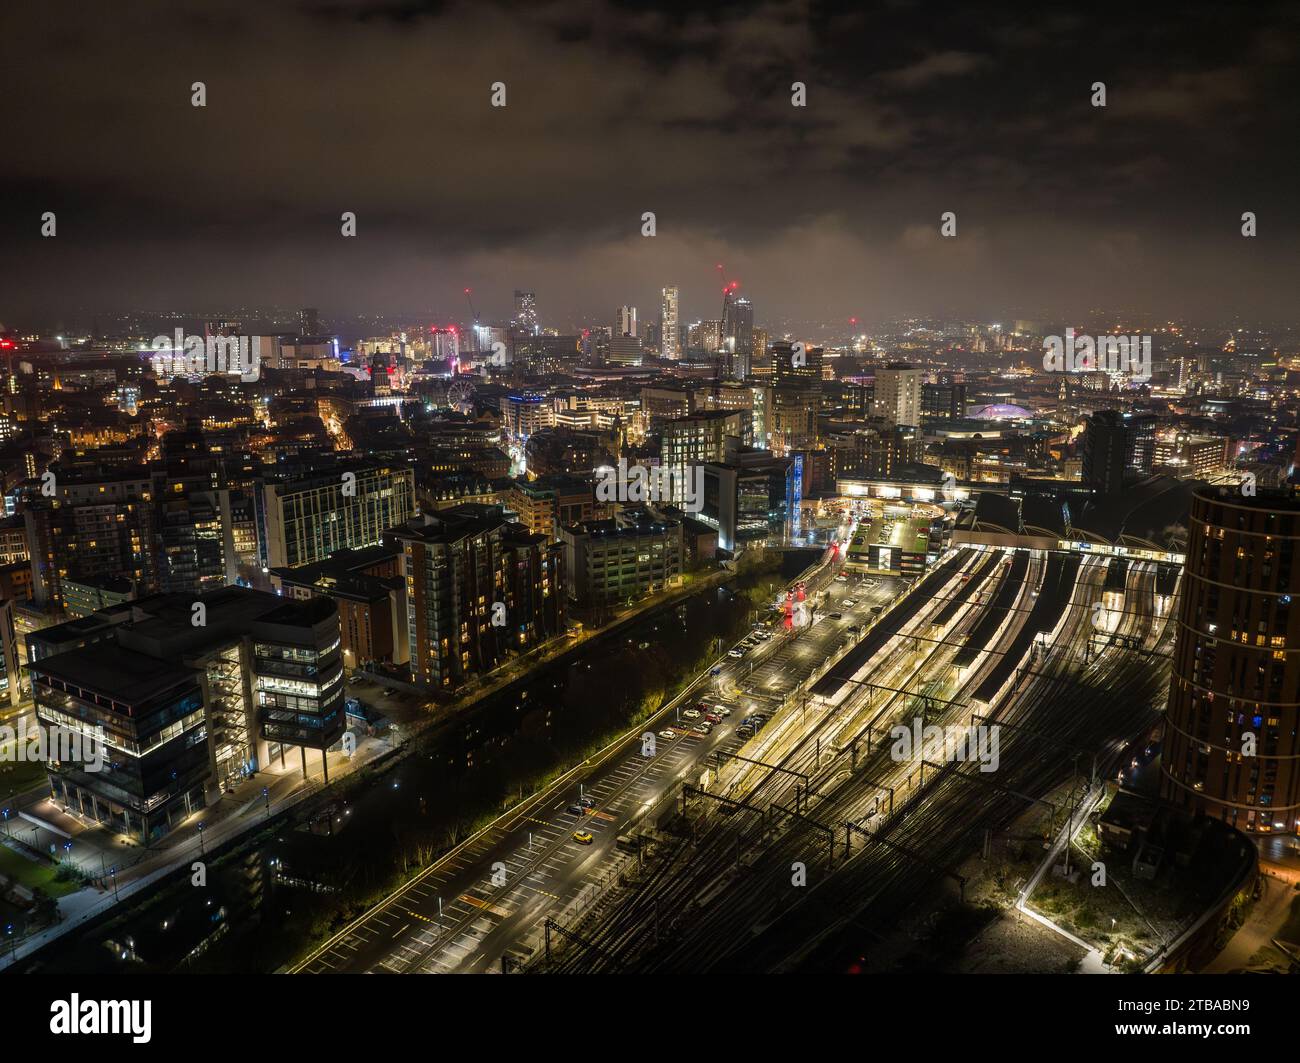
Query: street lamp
[[201, 852]]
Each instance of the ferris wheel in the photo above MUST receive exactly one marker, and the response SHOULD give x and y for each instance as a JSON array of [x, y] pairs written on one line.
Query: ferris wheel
[[461, 393]]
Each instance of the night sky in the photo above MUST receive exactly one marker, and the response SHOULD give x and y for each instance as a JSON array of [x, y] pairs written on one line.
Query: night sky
[[613, 109]]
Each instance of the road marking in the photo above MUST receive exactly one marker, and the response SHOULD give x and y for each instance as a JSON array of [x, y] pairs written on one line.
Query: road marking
[[495, 909]]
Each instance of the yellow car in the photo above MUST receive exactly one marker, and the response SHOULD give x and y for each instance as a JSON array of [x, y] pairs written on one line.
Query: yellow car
[[583, 837]]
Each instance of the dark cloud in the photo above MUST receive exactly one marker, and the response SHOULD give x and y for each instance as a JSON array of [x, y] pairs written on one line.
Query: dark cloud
[[933, 67], [619, 108]]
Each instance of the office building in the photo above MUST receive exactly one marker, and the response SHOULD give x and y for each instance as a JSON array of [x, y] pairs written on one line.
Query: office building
[[525, 414], [608, 563], [625, 350], [749, 499], [945, 402], [1142, 442], [1107, 452], [738, 333], [185, 708], [306, 516], [802, 366], [625, 321], [689, 442], [661, 403], [1199, 457], [85, 595]]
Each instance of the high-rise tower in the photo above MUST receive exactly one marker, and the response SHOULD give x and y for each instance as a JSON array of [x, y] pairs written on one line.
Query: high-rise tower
[[669, 337], [1232, 729]]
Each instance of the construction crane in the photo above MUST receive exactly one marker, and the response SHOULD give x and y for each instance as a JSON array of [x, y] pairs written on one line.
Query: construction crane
[[469, 299]]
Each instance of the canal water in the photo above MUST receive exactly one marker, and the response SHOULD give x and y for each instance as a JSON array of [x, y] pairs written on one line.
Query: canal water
[[266, 899]]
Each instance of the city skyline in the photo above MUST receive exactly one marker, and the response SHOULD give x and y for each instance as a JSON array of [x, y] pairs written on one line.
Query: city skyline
[[787, 487], [827, 210]]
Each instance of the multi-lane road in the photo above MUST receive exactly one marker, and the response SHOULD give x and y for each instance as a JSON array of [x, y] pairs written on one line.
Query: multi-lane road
[[486, 901]]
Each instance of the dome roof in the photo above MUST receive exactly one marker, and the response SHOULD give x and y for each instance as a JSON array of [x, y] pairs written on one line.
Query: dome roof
[[999, 411]]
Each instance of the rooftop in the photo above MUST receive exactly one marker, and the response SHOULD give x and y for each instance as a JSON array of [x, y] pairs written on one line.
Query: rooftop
[[118, 673]]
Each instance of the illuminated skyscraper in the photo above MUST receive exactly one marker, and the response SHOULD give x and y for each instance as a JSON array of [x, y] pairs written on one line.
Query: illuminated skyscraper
[[525, 319], [737, 329], [760, 361], [669, 341], [625, 321]]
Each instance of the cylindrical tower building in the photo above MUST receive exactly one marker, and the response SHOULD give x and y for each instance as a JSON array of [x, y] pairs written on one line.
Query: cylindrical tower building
[[1232, 731]]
